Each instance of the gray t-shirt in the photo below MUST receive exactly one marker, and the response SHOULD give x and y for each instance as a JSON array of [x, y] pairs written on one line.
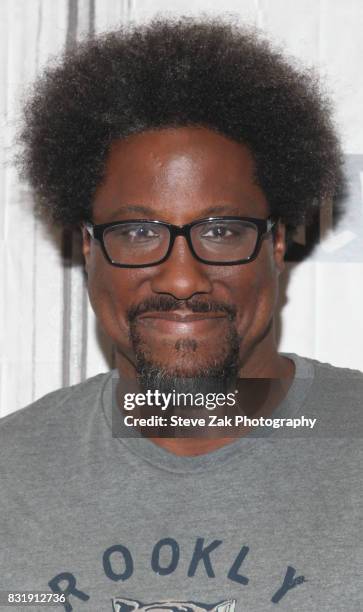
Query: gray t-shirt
[[269, 522]]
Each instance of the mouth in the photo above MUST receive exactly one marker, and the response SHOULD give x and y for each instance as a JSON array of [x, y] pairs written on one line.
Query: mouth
[[181, 322]]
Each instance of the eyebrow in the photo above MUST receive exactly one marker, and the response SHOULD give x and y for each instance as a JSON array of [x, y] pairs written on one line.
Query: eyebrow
[[133, 208], [223, 209]]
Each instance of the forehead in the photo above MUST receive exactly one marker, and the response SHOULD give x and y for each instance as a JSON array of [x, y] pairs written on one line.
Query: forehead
[[186, 168]]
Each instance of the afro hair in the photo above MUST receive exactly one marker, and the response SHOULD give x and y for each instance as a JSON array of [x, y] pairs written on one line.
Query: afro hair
[[171, 73]]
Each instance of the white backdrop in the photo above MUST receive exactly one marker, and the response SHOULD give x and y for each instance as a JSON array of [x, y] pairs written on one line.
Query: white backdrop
[[48, 333]]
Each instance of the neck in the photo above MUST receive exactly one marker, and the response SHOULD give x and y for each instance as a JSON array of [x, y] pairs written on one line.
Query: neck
[[280, 382], [275, 368]]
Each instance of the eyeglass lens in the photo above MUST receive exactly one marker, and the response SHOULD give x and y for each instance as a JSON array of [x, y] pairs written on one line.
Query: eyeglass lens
[[144, 243], [227, 240]]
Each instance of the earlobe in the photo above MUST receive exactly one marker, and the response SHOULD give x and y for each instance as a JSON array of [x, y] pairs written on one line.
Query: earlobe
[[280, 246], [86, 245]]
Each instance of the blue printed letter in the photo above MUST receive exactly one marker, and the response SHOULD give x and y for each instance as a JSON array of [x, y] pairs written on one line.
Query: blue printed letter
[[202, 554], [155, 558], [289, 583], [69, 590], [232, 574], [129, 565]]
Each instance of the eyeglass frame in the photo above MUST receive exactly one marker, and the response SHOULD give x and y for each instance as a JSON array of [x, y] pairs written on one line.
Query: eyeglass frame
[[264, 226]]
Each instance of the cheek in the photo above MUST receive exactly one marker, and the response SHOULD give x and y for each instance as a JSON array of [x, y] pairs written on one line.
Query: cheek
[[109, 290], [253, 289]]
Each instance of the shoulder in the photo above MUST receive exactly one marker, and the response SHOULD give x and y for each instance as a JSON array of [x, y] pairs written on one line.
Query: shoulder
[[335, 398], [337, 379], [62, 411], [331, 371], [321, 370]]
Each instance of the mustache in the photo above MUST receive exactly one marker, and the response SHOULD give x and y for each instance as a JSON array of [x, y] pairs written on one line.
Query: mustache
[[165, 303]]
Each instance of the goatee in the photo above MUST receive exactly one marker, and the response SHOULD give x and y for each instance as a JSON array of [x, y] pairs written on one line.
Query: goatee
[[214, 377]]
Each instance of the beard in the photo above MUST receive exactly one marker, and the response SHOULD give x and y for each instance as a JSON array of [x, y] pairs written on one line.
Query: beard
[[189, 374]]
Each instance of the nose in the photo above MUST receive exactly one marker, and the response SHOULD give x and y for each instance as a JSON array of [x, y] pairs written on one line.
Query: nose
[[181, 275]]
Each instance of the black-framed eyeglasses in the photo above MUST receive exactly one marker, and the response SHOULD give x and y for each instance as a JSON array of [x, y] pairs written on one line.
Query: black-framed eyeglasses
[[141, 243]]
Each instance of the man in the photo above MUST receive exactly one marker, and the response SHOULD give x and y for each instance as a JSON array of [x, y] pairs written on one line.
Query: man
[[187, 152]]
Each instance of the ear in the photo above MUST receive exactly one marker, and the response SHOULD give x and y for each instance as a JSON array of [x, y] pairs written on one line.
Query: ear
[[280, 245], [86, 245]]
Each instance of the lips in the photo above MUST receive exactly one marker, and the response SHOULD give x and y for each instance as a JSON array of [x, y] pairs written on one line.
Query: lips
[[182, 317], [181, 322]]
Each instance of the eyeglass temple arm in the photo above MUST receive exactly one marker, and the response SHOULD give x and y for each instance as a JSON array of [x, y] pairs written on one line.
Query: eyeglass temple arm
[[271, 223], [89, 227]]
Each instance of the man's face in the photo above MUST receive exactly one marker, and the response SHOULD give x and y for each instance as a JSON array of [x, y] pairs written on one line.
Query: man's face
[[178, 176]]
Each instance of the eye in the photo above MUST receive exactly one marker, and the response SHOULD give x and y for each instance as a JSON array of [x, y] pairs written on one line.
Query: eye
[[220, 232], [138, 233]]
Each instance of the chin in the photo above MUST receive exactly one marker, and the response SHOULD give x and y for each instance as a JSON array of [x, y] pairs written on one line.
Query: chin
[[193, 362], [186, 361], [187, 375]]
